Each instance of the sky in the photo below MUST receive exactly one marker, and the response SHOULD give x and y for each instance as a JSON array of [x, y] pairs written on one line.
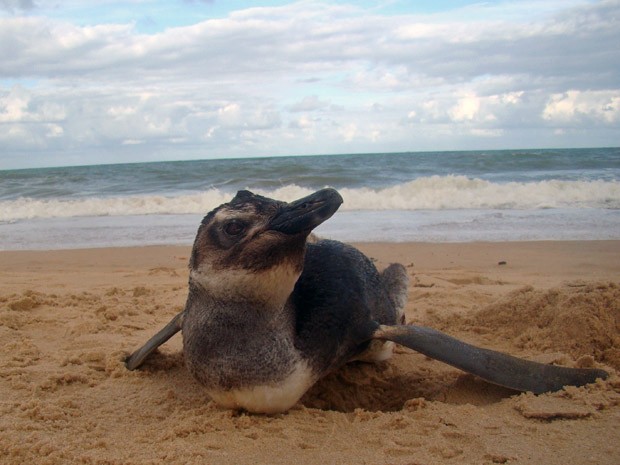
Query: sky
[[106, 81]]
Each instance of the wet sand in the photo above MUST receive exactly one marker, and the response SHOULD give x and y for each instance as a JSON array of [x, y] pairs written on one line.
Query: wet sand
[[68, 319]]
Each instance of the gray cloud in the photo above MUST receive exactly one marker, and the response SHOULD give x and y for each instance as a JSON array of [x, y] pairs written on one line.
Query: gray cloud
[[13, 6], [309, 103], [293, 39]]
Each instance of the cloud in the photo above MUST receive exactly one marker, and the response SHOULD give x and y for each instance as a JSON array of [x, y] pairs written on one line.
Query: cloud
[[310, 77], [466, 108], [308, 104], [317, 38], [16, 5], [19, 106], [232, 116], [349, 132], [574, 106]]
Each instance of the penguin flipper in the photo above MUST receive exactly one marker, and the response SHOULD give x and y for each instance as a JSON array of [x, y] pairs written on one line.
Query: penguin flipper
[[495, 367], [137, 358]]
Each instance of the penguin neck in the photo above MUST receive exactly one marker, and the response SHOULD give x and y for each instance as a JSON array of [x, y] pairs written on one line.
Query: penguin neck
[[267, 289]]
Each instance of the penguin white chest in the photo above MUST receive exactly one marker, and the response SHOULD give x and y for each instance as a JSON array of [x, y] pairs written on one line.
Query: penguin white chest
[[269, 398]]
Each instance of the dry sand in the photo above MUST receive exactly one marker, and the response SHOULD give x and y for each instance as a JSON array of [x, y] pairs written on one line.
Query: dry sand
[[68, 318]]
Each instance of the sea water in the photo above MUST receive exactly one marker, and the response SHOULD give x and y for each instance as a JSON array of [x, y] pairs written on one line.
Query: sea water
[[568, 194]]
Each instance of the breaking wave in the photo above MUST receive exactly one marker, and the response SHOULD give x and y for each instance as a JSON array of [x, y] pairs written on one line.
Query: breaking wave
[[425, 193]]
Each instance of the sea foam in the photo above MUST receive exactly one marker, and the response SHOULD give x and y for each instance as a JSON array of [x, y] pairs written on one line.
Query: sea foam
[[451, 192]]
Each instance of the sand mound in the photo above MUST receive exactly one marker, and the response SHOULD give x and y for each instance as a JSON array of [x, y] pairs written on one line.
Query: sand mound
[[577, 320]]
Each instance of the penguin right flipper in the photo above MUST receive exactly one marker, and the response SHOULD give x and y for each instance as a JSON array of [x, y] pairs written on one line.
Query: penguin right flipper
[[495, 367], [137, 358]]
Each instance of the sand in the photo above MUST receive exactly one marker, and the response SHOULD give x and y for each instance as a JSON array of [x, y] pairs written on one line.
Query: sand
[[68, 319]]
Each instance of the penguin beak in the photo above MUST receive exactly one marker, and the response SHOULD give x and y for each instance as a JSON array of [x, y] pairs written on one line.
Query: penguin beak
[[305, 214]]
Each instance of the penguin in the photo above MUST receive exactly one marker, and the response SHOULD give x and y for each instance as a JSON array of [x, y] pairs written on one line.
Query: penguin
[[271, 309]]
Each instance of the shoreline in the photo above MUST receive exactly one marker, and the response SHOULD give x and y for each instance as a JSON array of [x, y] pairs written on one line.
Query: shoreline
[[69, 317], [400, 226], [591, 255]]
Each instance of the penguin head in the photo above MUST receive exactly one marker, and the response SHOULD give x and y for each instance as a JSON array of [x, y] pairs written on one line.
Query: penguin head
[[255, 245]]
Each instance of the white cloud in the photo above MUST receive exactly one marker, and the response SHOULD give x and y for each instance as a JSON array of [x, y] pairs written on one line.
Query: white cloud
[[54, 130], [349, 132], [232, 116], [303, 122], [573, 105], [17, 106], [466, 109], [14, 106], [485, 132], [132, 142]]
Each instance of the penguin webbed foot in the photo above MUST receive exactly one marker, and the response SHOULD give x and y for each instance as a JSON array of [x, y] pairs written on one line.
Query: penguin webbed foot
[[496, 367], [139, 356]]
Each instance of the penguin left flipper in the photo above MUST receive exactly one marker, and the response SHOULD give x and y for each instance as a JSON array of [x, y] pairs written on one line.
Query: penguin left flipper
[[137, 358]]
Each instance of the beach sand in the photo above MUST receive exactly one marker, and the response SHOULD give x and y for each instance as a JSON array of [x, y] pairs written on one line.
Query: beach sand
[[68, 319]]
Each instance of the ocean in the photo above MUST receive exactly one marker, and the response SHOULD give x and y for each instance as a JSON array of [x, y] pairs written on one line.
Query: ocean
[[500, 195]]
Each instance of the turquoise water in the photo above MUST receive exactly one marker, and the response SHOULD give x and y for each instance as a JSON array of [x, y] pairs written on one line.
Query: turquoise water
[[435, 196]]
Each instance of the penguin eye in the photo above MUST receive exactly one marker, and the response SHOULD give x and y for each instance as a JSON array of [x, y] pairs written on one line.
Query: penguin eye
[[234, 228]]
